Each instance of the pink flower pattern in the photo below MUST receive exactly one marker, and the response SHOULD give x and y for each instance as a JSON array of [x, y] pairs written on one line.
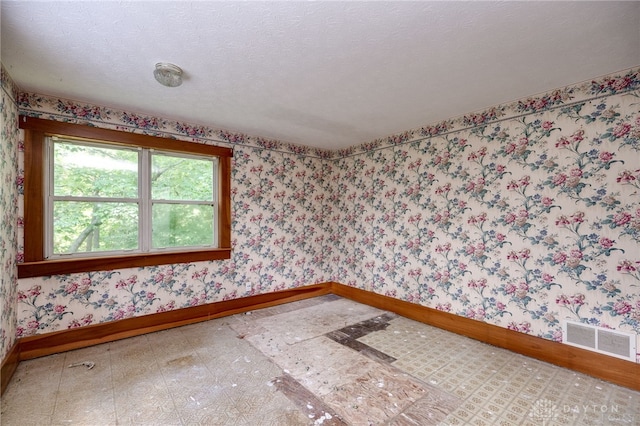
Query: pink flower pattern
[[517, 216]]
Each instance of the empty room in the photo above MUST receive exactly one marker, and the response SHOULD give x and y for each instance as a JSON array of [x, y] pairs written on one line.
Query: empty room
[[320, 213]]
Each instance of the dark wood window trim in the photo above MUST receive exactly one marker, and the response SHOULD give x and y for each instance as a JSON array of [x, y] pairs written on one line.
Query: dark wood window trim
[[35, 132]]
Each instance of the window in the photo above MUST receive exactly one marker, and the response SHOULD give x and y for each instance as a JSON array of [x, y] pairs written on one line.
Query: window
[[104, 198], [100, 199]]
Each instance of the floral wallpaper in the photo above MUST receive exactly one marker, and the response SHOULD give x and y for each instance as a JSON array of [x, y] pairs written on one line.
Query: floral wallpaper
[[279, 226], [518, 216], [8, 211]]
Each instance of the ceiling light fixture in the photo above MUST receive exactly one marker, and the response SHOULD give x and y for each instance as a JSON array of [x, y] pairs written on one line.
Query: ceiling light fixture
[[167, 74]]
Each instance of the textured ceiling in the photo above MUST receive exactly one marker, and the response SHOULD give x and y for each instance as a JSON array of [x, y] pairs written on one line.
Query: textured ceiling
[[324, 74]]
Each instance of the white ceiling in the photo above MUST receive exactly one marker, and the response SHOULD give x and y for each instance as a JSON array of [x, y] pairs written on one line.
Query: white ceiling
[[324, 74]]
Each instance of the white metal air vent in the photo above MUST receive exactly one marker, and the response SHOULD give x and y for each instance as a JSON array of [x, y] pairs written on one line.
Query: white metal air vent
[[619, 344]]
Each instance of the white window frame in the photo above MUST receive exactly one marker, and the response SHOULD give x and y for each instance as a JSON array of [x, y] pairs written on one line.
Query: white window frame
[[144, 199], [147, 224], [33, 263]]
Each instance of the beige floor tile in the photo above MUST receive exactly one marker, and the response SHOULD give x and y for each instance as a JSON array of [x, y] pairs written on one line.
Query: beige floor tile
[[85, 407], [226, 371], [24, 417], [34, 387], [322, 365]]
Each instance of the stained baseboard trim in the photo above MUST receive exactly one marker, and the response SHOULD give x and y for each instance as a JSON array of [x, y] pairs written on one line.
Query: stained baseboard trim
[[9, 365], [611, 369], [614, 370], [65, 340]]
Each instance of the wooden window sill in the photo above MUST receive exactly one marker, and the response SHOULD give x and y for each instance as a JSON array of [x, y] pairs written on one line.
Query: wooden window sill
[[86, 264]]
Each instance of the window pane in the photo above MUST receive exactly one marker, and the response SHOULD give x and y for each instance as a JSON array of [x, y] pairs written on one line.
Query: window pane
[[80, 227], [182, 225], [180, 178], [89, 171]]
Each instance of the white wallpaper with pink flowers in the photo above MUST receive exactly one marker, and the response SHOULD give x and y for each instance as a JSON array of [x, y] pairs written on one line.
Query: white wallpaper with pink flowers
[[519, 216], [8, 212]]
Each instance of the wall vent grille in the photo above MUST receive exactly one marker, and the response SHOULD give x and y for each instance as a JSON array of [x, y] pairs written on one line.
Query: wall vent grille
[[619, 344]]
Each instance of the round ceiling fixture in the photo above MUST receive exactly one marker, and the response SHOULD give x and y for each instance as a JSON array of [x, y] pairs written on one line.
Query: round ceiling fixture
[[167, 74]]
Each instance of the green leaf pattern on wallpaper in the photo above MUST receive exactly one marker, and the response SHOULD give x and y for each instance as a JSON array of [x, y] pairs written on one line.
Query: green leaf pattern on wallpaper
[[518, 216], [10, 183]]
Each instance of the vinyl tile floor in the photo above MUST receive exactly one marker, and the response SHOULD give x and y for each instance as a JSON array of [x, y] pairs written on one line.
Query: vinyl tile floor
[[320, 361]]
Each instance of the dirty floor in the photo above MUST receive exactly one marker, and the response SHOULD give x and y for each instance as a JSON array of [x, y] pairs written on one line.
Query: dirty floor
[[321, 361]]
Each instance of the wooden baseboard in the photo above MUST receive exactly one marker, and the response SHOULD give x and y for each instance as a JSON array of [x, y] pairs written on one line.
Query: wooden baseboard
[[611, 369], [60, 341], [9, 365], [618, 371]]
